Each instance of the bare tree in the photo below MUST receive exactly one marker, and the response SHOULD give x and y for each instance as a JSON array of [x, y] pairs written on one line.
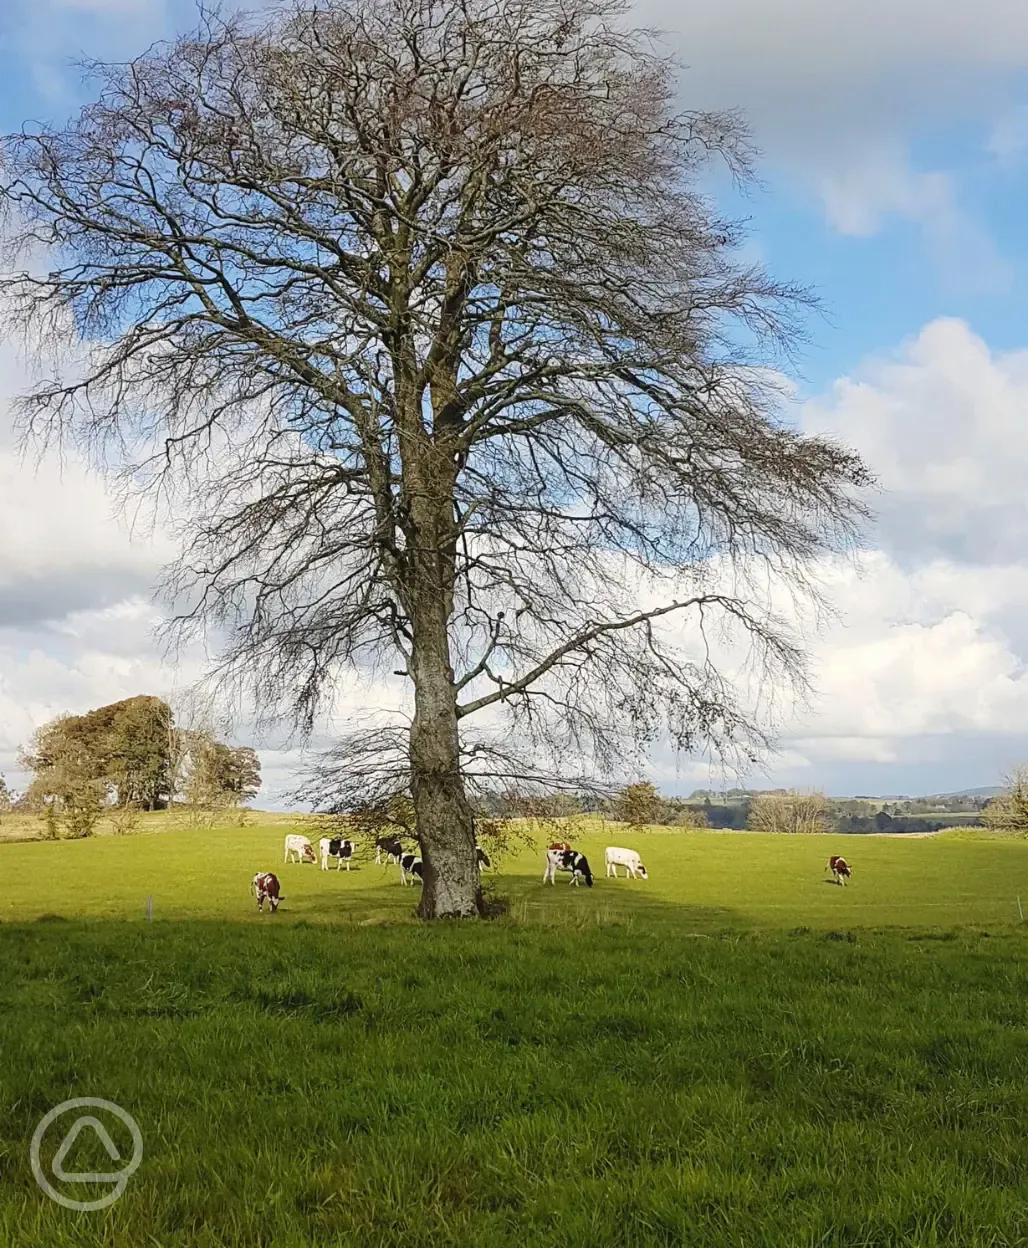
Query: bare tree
[[418, 307], [789, 812], [1008, 811]]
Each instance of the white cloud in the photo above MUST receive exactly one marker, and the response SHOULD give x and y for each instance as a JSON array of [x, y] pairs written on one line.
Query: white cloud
[[839, 93], [942, 423], [878, 184]]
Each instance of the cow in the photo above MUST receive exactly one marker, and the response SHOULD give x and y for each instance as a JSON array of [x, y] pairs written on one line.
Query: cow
[[391, 846], [839, 868], [337, 848], [567, 860], [411, 866], [266, 885], [627, 858], [481, 857], [301, 847]]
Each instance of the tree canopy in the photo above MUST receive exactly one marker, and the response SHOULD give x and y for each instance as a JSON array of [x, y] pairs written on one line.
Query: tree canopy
[[130, 755]]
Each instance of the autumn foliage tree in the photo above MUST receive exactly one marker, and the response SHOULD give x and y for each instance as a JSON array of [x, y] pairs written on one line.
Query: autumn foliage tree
[[639, 805], [417, 309]]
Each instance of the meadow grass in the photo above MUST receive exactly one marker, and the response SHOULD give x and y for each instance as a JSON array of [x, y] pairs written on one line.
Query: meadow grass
[[731, 1053]]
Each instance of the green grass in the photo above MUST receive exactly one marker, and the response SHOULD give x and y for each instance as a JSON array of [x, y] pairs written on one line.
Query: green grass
[[732, 1053]]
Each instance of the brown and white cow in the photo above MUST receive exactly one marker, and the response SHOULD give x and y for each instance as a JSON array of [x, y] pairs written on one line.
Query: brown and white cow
[[265, 885], [301, 847], [839, 868]]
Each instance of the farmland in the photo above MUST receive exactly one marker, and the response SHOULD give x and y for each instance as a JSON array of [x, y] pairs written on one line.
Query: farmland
[[733, 1052]]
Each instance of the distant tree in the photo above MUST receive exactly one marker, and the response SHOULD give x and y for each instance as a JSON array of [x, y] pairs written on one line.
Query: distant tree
[[789, 812], [883, 821], [216, 778], [118, 754], [124, 818], [65, 776], [7, 797], [692, 817], [639, 805], [51, 825], [1008, 812]]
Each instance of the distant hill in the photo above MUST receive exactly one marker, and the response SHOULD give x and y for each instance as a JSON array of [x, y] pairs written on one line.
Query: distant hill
[[735, 795], [988, 791]]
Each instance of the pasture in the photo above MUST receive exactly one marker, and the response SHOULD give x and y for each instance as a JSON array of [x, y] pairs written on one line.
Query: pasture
[[732, 1052]]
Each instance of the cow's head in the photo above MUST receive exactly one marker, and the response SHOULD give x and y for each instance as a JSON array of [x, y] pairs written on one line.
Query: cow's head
[[308, 853], [642, 871]]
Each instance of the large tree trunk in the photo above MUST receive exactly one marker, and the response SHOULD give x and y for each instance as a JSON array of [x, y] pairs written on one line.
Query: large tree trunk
[[445, 828]]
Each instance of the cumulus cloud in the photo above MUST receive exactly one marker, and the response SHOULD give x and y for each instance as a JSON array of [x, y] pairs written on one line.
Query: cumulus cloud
[[941, 422]]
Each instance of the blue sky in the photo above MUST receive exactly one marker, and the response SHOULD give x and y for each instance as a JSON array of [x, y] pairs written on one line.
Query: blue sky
[[895, 166]]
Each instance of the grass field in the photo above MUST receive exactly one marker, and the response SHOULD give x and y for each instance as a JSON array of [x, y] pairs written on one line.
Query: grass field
[[731, 1053]]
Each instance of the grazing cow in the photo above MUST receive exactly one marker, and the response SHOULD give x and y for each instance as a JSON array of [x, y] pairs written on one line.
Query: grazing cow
[[567, 860], [337, 848], [840, 869], [626, 858], [482, 857], [301, 847], [391, 846], [411, 866], [266, 885]]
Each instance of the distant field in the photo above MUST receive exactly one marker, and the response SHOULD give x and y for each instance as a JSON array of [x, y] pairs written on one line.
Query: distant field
[[732, 1053]]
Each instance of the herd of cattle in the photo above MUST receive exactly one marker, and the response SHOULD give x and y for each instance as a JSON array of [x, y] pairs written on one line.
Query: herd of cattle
[[560, 856]]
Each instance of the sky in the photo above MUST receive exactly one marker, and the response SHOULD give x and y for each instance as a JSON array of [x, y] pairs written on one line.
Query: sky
[[894, 171]]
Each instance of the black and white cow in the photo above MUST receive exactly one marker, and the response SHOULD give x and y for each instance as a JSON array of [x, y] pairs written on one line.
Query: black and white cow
[[265, 885], [391, 846], [482, 857], [840, 869], [335, 847], [567, 860], [411, 866]]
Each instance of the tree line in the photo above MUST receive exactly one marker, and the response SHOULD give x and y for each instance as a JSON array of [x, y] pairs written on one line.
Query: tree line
[[127, 757], [642, 805]]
